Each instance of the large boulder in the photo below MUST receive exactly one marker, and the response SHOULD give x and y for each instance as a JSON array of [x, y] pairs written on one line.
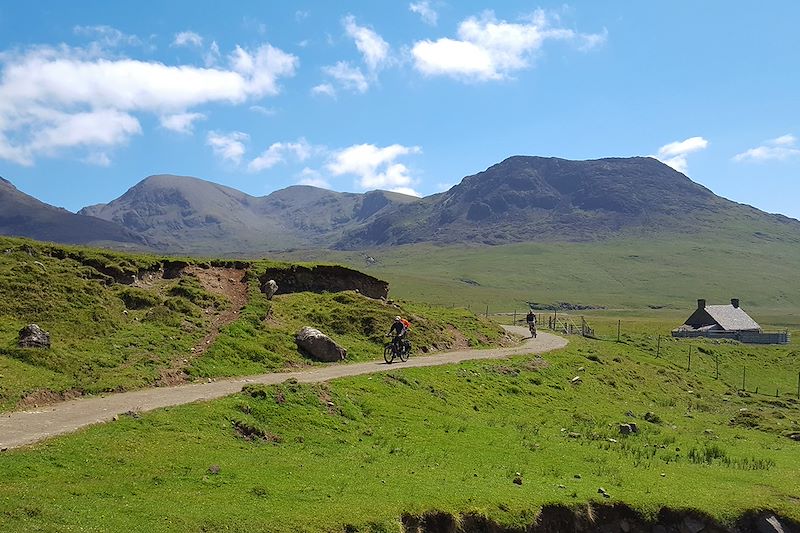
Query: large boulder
[[32, 336], [318, 345], [269, 288]]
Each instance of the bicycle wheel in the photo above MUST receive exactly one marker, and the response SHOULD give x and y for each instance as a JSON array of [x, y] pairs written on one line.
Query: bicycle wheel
[[388, 353], [405, 351]]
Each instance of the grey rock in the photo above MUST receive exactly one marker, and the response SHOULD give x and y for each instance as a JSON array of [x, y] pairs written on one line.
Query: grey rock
[[318, 345], [634, 427], [769, 524], [269, 288], [625, 429], [32, 336]]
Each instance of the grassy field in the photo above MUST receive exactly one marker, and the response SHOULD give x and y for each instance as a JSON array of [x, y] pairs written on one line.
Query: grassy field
[[110, 336], [500, 438], [639, 274]]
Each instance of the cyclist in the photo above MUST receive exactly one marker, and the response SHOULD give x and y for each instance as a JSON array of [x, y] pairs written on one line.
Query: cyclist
[[398, 332], [531, 320]]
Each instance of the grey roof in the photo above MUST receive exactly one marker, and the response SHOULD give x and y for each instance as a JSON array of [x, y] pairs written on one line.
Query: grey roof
[[731, 318]]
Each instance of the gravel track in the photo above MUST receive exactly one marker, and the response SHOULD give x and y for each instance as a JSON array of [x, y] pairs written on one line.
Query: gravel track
[[27, 427]]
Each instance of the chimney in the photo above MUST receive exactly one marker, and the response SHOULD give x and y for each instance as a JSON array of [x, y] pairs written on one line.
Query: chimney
[[735, 302], [701, 303]]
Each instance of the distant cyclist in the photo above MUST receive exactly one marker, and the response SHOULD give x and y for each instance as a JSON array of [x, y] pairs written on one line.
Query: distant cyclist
[[398, 332], [531, 320]]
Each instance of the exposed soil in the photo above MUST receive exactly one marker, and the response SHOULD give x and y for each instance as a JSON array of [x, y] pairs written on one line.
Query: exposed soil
[[26, 427], [226, 282], [43, 397]]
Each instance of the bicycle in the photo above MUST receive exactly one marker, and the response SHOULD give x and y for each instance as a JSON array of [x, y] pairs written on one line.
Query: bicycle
[[397, 347]]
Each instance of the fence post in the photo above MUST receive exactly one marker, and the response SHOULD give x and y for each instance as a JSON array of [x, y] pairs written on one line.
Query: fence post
[[689, 365], [658, 347], [619, 323]]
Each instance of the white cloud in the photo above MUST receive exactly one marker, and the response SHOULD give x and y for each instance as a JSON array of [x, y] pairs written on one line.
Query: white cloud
[[324, 89], [65, 97], [781, 148], [425, 11], [228, 146], [312, 177], [348, 76], [674, 154], [488, 49], [187, 38], [99, 159], [278, 153], [261, 110], [373, 48], [301, 15], [106, 36], [181, 122], [375, 168], [213, 55], [105, 127]]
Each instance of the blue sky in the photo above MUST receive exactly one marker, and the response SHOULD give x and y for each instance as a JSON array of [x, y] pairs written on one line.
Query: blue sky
[[409, 96]]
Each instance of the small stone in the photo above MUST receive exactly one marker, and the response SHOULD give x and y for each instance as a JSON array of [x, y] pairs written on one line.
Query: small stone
[[612, 440], [576, 379], [601, 490], [634, 427], [663, 474], [577, 476], [562, 486], [630, 413], [574, 435], [115, 418], [213, 470], [518, 480], [582, 369], [625, 429], [708, 431]]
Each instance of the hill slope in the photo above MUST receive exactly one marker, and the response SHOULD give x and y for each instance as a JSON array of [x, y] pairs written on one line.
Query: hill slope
[[530, 199], [22, 215], [194, 216]]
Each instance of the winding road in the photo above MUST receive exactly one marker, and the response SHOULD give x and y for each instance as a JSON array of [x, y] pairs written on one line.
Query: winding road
[[27, 427]]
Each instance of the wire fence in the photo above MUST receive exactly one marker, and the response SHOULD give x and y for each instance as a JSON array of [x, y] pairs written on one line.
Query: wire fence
[[754, 369]]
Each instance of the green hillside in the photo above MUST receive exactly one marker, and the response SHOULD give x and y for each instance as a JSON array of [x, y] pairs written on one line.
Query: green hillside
[[632, 273], [181, 320], [498, 440]]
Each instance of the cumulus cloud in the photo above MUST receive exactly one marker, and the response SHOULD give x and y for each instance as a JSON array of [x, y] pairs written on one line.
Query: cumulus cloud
[[228, 146], [778, 149], [373, 48], [347, 76], [309, 176], [278, 153], [374, 53], [181, 122], [325, 89], [491, 49], [674, 154], [65, 97], [425, 11], [187, 38], [375, 167]]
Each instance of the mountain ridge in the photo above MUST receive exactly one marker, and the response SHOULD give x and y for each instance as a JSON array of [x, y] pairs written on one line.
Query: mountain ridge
[[520, 199]]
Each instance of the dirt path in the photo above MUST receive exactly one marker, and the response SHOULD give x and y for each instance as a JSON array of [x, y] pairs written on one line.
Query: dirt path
[[27, 427]]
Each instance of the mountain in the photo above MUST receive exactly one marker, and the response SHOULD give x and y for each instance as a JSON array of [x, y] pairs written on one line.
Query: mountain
[[183, 214], [22, 215], [522, 199], [528, 199]]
